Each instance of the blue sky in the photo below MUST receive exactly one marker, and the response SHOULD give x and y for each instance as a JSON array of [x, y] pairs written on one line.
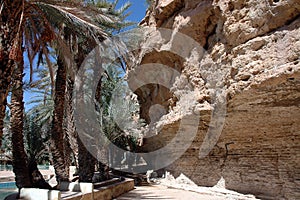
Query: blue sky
[[137, 10]]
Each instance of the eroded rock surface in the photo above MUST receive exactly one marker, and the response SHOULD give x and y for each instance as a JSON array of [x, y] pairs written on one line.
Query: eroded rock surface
[[245, 83]]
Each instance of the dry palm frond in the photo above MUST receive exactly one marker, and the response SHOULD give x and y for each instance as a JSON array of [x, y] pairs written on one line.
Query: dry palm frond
[[38, 33], [49, 64], [77, 17]]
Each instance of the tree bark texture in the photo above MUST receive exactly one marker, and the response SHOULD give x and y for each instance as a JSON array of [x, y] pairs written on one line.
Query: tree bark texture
[[87, 163], [69, 121], [57, 132], [20, 159], [10, 49]]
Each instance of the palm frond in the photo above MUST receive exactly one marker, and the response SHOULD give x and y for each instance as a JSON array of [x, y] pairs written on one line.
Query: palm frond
[[73, 15], [123, 9], [114, 4]]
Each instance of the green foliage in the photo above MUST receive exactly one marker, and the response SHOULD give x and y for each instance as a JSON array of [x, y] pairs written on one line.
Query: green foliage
[[42, 97], [119, 109], [38, 119], [113, 19], [36, 138]]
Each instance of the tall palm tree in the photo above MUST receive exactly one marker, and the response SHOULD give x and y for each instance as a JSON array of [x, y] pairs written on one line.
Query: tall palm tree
[[58, 146], [10, 48], [25, 169], [20, 159], [44, 107]]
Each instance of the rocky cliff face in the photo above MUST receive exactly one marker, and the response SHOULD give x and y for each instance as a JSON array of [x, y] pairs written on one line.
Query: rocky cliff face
[[244, 84]]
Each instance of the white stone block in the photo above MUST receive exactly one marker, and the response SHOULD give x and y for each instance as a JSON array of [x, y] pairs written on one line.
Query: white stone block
[[77, 187], [39, 194]]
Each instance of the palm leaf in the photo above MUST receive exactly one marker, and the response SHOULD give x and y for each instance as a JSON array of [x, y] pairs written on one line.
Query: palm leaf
[[73, 17]]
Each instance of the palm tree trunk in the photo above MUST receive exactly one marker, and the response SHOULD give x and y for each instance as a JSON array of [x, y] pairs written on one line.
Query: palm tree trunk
[[69, 121], [9, 21], [67, 154], [20, 159], [87, 163], [103, 164], [26, 172], [36, 176], [57, 132]]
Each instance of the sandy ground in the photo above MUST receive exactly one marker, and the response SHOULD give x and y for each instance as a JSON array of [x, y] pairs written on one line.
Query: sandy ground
[[163, 192], [184, 189]]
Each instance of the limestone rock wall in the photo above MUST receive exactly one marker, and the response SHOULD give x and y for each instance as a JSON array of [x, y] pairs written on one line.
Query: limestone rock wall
[[251, 54]]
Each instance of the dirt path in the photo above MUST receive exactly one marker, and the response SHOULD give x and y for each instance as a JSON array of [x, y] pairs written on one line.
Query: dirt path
[[163, 192]]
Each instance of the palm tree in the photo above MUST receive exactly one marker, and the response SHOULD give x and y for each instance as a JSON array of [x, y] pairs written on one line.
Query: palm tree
[[53, 116], [58, 146], [25, 169], [44, 109], [10, 47], [20, 159]]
